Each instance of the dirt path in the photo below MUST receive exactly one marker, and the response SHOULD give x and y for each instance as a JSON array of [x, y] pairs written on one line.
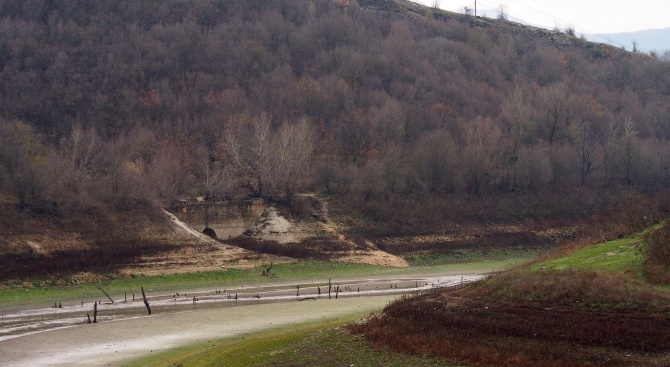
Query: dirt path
[[118, 342]]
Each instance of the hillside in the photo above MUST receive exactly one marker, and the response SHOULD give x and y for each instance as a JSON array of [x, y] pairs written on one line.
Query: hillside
[[426, 131], [589, 307]]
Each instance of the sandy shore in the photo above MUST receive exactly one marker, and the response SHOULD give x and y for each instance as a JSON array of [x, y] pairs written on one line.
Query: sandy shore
[[117, 342]]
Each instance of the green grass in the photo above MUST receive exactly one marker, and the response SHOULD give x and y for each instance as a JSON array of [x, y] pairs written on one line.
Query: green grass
[[468, 256], [307, 271], [333, 348], [244, 350], [623, 256], [310, 344], [618, 256]]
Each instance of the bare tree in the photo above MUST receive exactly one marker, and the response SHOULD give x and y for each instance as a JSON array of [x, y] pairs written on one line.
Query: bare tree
[[609, 150], [585, 143], [481, 153], [502, 12], [555, 100], [80, 154], [23, 161], [249, 150], [435, 161], [629, 149], [171, 168], [293, 146], [216, 177], [517, 115]]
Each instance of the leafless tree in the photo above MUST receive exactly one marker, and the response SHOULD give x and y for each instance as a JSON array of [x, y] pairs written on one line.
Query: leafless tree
[[80, 153], [216, 177], [292, 146], [249, 150], [585, 142], [555, 101], [609, 150], [629, 149], [435, 161], [24, 161], [502, 12], [517, 115], [481, 153]]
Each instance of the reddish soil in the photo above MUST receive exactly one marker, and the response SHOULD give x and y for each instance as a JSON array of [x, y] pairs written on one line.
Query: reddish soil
[[479, 326]]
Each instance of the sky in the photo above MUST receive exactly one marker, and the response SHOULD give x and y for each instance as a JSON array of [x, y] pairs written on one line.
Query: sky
[[585, 16]]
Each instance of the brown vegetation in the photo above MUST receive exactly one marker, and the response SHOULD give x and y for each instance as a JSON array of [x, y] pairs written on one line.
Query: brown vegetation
[[311, 248], [547, 318], [525, 319], [657, 256], [386, 102], [413, 119]]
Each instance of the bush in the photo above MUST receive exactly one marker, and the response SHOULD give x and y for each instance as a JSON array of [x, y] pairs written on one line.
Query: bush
[[657, 256]]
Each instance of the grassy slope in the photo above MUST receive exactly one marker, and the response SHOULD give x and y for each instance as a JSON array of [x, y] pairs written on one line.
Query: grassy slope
[[622, 256]]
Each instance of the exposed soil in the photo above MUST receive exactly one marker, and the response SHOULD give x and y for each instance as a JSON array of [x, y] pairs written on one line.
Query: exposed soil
[[139, 239], [80, 248], [121, 341], [319, 235], [591, 323]]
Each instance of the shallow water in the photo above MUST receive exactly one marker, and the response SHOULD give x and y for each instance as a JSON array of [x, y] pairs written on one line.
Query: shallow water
[[21, 322]]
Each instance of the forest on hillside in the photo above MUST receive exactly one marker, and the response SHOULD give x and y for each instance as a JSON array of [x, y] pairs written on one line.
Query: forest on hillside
[[107, 101]]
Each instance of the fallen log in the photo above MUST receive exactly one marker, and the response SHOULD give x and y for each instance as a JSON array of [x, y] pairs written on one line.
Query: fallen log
[[103, 291]]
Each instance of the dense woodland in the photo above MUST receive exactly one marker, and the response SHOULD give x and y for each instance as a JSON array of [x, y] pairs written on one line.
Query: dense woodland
[[103, 102]]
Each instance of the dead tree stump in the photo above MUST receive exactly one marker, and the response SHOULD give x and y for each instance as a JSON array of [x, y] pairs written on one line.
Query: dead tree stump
[[146, 303]]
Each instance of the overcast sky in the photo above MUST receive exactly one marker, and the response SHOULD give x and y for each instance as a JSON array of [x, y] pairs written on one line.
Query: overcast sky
[[586, 16]]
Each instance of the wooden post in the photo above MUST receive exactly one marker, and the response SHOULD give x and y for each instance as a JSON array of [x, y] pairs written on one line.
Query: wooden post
[[319, 289], [337, 291], [125, 297], [329, 287], [89, 317], [297, 294], [95, 313], [146, 303]]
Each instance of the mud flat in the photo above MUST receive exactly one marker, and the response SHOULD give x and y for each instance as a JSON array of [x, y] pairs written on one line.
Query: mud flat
[[119, 341]]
